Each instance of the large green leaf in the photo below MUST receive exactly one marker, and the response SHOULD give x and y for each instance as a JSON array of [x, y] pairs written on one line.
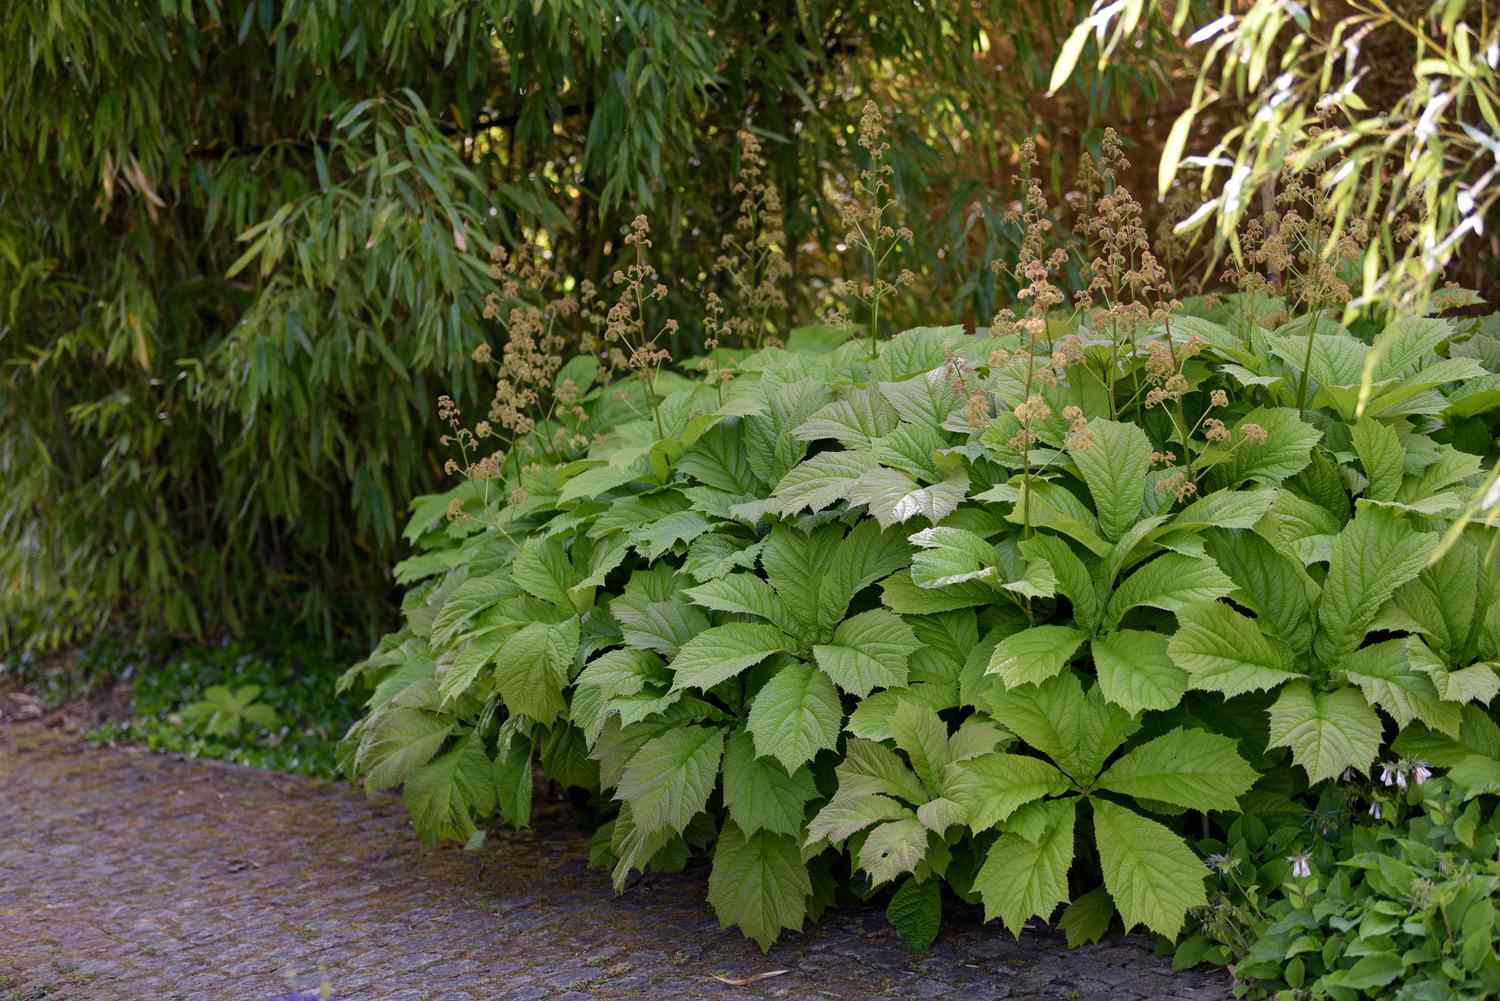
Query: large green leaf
[[951, 556], [993, 786], [1136, 672], [668, 781], [533, 667], [1380, 452], [868, 651], [1114, 466], [1023, 878], [916, 912], [870, 765], [758, 883], [1223, 651], [612, 675], [920, 732], [1386, 675], [401, 741], [796, 714], [894, 497], [1374, 555], [1152, 875], [1034, 655], [759, 793], [1273, 585], [1072, 576], [795, 563], [825, 479], [1326, 731], [1287, 448], [1077, 730], [893, 848], [1170, 582], [718, 654], [745, 594], [865, 556], [851, 811], [927, 399], [855, 421], [446, 794], [542, 569], [1188, 768]]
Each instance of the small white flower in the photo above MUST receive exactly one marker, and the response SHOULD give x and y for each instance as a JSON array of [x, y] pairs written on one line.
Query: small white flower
[[1350, 775], [1301, 865], [1390, 774], [1375, 810], [1420, 772]]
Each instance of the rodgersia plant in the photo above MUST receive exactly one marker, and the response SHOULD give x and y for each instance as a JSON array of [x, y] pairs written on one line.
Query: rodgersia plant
[[1032, 615]]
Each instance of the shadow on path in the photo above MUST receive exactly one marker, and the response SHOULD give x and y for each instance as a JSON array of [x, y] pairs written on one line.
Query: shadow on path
[[128, 876]]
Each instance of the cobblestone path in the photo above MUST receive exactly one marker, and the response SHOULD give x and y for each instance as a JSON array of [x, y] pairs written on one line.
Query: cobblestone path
[[127, 876]]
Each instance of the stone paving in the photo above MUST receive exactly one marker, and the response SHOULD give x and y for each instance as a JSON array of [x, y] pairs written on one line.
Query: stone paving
[[128, 876]]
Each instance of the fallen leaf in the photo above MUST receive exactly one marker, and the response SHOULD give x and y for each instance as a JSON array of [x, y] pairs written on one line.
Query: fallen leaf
[[747, 981]]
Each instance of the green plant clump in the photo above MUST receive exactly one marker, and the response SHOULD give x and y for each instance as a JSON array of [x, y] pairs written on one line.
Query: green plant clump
[[1402, 904], [266, 705], [1037, 613]]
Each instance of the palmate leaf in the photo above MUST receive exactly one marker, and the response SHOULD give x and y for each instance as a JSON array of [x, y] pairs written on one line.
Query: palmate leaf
[[1374, 555], [1136, 672], [1151, 874], [400, 741], [758, 884], [926, 399], [663, 626], [668, 781], [1034, 655], [759, 793], [1223, 651], [607, 677], [1188, 768], [993, 786], [446, 794], [874, 766], [796, 714], [901, 594], [1115, 466], [868, 651], [718, 654], [1022, 878], [1443, 601], [1326, 731], [769, 444]]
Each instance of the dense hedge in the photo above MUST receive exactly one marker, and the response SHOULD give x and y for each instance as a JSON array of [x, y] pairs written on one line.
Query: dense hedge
[[1038, 614]]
